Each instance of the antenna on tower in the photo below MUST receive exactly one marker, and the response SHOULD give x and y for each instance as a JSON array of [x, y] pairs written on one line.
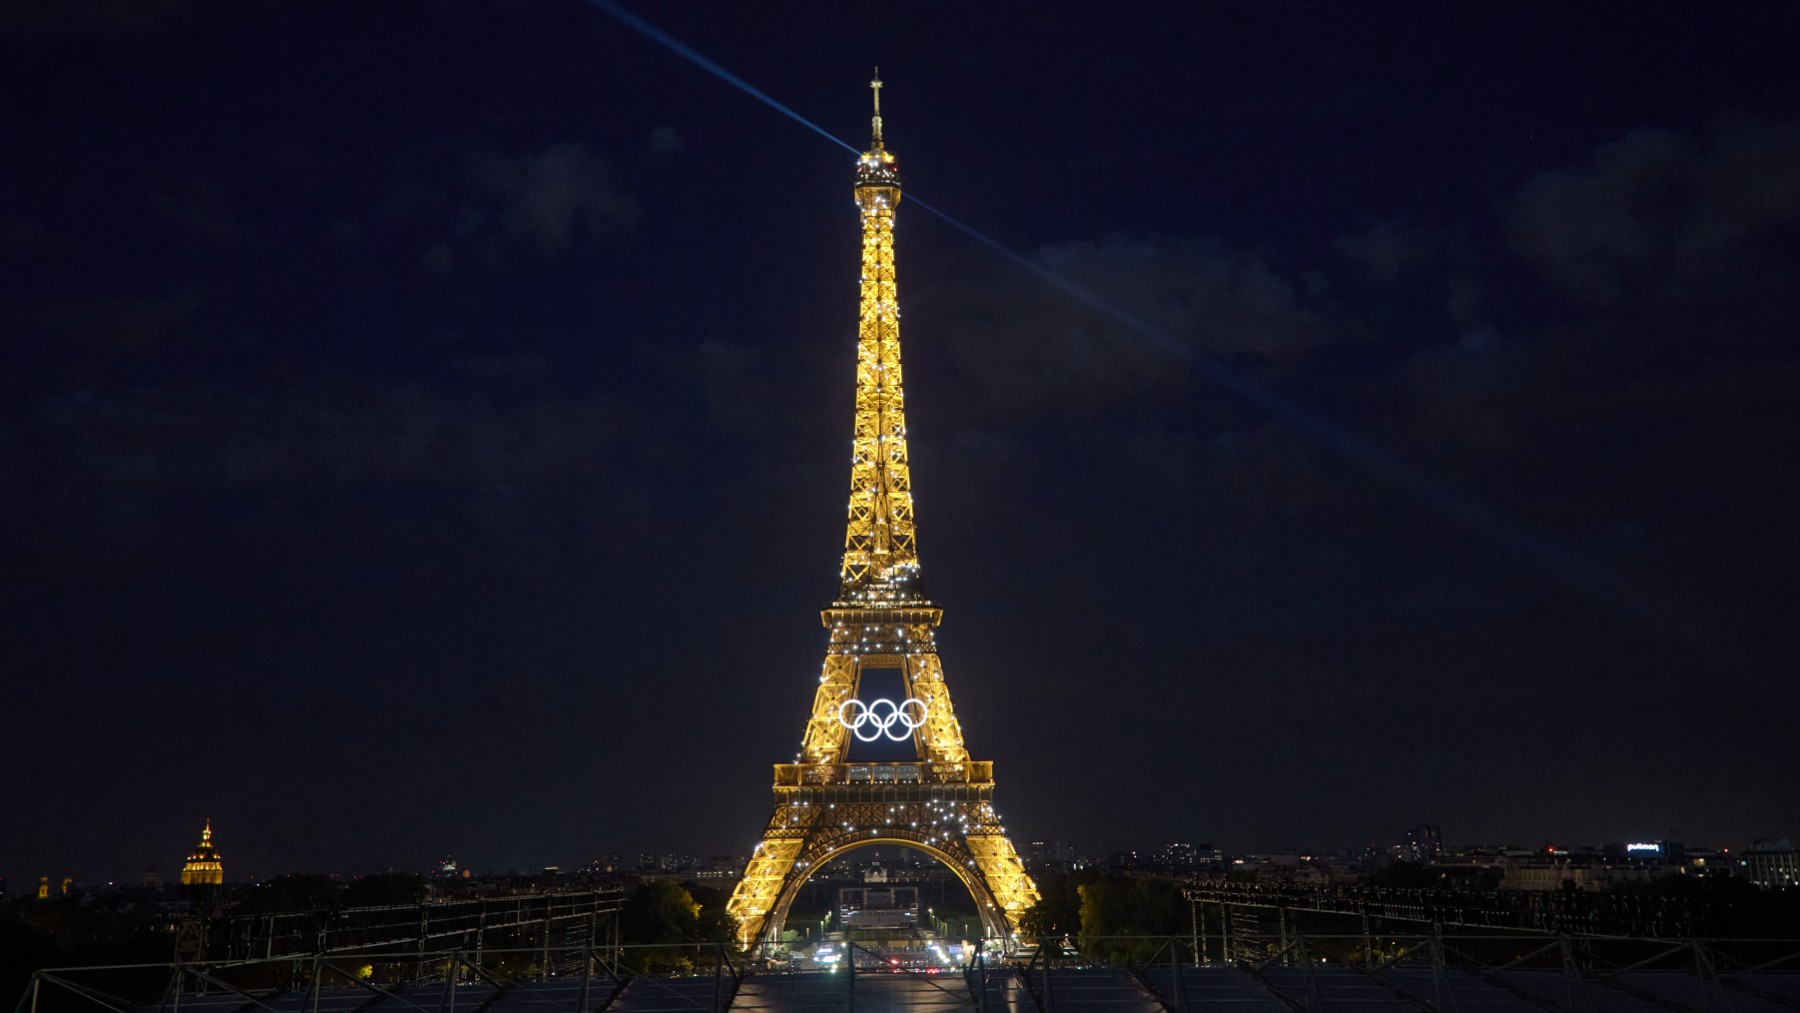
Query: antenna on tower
[[875, 86]]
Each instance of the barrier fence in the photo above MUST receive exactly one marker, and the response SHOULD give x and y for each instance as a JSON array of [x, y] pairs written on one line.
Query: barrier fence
[[1427, 972]]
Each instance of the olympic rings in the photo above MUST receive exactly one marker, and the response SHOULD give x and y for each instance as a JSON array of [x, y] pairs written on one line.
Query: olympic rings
[[881, 718]]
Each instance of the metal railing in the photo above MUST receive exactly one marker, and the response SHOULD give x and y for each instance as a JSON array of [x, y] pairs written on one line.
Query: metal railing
[[565, 918], [1425, 972], [1575, 912]]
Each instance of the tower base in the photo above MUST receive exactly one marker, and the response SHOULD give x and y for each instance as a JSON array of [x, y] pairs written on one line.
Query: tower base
[[825, 809]]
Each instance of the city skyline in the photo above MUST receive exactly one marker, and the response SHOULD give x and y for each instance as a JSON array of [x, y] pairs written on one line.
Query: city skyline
[[426, 431], [206, 864]]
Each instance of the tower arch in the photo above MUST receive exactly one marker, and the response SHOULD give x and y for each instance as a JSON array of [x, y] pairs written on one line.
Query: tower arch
[[955, 858]]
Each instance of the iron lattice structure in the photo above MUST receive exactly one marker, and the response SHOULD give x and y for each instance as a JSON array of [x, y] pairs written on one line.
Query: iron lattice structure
[[942, 803]]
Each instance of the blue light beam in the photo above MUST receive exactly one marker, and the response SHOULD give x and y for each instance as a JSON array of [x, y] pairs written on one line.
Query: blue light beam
[[693, 56], [1598, 584]]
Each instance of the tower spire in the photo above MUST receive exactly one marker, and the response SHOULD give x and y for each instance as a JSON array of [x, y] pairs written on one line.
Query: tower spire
[[875, 125], [881, 564]]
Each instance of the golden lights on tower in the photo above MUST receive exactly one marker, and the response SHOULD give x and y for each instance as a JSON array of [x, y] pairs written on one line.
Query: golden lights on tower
[[880, 552], [825, 804]]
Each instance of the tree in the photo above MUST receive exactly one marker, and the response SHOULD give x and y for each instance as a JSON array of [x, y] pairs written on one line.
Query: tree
[[716, 925], [1058, 912], [295, 892], [1404, 876], [385, 889], [1115, 908], [659, 911]]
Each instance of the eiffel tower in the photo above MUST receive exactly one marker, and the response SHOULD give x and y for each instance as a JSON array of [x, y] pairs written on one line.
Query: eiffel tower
[[939, 802]]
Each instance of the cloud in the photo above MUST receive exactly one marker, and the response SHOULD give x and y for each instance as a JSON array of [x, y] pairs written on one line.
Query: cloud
[[986, 443], [516, 371], [736, 393], [1650, 217], [664, 143], [136, 21], [1028, 346], [1405, 260], [23, 241], [130, 325], [331, 429], [1388, 249], [544, 197], [199, 206], [495, 211]]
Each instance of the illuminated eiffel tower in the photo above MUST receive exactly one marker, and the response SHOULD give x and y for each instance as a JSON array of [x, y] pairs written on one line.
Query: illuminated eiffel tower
[[940, 802]]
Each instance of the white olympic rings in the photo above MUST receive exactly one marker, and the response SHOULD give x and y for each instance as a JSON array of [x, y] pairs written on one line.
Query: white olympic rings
[[882, 717]]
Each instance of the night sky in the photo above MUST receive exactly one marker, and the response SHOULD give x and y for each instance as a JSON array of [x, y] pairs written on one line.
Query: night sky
[[425, 426]]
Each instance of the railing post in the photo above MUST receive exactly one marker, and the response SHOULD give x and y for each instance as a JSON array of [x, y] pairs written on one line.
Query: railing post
[[1314, 998], [1195, 917], [1437, 964], [480, 931], [1568, 962], [1180, 989], [718, 977], [1700, 972], [981, 975]]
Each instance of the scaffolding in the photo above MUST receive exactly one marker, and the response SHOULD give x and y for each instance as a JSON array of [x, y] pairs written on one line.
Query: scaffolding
[[1428, 971]]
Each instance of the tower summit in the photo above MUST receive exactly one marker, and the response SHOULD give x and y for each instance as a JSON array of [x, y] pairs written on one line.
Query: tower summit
[[881, 563], [825, 803]]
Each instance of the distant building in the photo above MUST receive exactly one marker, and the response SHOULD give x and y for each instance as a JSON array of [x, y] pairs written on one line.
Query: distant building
[[204, 867], [1772, 863], [1553, 870], [1179, 855], [1549, 872], [881, 907], [648, 862], [1646, 852], [1421, 844], [720, 868], [1051, 855]]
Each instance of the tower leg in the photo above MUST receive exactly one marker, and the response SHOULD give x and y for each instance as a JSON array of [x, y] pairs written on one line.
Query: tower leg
[[770, 866], [1005, 874]]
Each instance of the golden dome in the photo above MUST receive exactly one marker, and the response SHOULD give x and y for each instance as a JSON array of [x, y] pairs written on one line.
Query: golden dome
[[203, 866]]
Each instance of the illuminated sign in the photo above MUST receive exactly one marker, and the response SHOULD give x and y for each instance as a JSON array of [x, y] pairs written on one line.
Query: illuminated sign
[[870, 721], [1643, 847]]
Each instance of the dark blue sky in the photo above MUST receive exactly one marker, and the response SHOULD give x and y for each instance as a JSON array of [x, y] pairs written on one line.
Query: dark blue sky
[[423, 427]]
